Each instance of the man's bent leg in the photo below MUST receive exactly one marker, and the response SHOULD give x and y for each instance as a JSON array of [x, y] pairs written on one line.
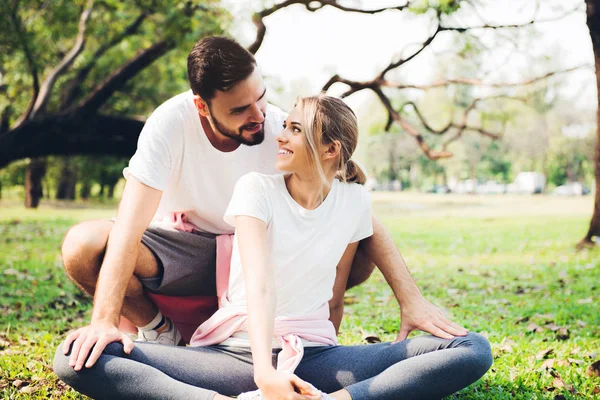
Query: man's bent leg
[[83, 252]]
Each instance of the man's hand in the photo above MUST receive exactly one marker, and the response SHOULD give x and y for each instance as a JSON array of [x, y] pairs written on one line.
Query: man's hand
[[420, 314], [97, 335], [278, 385]]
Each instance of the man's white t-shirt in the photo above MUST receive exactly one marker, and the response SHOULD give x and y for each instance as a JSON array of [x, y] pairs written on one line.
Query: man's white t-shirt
[[305, 246], [175, 156]]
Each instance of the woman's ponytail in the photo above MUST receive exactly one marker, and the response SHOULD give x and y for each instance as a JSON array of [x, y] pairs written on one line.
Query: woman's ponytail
[[352, 173]]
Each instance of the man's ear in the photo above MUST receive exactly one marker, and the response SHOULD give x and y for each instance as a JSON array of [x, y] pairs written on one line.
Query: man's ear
[[332, 150], [201, 106]]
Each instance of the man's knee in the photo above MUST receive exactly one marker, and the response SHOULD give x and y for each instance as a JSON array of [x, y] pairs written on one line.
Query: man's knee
[[61, 366], [83, 248]]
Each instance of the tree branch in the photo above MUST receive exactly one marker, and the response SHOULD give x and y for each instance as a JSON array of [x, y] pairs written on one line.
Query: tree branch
[[261, 28], [70, 134], [48, 85], [460, 128], [5, 118], [479, 82], [530, 22], [403, 60], [31, 65], [411, 130], [101, 93], [74, 88], [425, 124]]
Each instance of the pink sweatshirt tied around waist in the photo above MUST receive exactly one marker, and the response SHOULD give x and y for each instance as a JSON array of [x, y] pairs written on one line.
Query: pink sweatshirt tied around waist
[[290, 331]]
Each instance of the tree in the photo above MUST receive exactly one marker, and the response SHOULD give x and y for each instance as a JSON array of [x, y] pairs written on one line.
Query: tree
[[69, 114], [593, 23], [76, 73]]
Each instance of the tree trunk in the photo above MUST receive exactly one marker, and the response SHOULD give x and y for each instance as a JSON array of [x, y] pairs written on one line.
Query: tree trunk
[[593, 23], [86, 188], [413, 175], [67, 182], [33, 182], [111, 191]]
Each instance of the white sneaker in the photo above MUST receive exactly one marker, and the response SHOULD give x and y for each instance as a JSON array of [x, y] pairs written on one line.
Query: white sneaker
[[254, 395], [170, 337], [257, 395]]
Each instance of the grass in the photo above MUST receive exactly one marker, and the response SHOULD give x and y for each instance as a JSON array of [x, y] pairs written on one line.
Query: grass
[[503, 266]]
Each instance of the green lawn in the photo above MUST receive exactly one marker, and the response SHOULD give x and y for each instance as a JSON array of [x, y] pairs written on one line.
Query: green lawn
[[503, 266]]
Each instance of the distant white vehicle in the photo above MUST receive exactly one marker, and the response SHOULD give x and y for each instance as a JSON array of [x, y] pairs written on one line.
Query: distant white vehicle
[[571, 189], [371, 184], [396, 185], [466, 186], [528, 183], [491, 187]]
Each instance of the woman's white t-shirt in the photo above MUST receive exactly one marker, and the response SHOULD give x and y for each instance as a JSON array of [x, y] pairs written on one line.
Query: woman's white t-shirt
[[175, 156], [305, 245]]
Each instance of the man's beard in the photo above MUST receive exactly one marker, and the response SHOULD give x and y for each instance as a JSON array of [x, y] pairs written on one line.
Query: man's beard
[[256, 138]]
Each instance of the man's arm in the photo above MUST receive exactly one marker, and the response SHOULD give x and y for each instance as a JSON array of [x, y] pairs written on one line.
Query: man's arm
[[336, 304], [416, 311], [138, 205]]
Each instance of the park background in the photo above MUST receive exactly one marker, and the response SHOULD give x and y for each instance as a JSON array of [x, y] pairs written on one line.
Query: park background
[[478, 131]]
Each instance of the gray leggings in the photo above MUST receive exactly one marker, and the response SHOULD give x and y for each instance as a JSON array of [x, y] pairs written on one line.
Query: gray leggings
[[425, 367]]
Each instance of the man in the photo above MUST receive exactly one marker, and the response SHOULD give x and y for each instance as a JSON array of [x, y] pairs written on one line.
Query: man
[[190, 154]]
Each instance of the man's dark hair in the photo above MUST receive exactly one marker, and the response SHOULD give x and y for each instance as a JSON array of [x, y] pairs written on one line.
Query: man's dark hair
[[217, 63]]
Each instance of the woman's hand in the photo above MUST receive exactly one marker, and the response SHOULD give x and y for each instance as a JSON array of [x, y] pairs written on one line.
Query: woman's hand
[[278, 385]]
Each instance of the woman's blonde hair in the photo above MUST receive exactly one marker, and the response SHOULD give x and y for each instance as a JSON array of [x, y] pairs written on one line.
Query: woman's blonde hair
[[324, 120]]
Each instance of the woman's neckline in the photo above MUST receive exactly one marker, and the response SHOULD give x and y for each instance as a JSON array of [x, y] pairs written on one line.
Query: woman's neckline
[[303, 210]]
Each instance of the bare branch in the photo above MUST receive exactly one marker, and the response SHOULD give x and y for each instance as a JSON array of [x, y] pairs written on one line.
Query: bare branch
[[74, 88], [403, 60], [354, 85], [424, 122], [122, 75], [460, 127], [463, 125], [442, 28], [48, 85], [533, 20], [261, 29], [478, 82], [31, 65], [411, 130], [335, 4]]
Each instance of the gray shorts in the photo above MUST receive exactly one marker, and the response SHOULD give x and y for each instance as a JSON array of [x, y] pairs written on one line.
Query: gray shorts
[[187, 262]]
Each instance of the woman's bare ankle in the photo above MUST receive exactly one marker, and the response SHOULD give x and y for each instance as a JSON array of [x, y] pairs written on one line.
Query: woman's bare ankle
[[341, 395]]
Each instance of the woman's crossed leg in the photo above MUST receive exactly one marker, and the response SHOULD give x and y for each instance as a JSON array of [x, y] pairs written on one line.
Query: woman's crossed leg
[[154, 371], [425, 367]]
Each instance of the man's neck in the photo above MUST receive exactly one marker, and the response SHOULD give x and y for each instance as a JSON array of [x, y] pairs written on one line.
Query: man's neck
[[218, 140]]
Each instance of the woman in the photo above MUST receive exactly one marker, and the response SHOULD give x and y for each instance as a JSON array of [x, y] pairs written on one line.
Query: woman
[[296, 236]]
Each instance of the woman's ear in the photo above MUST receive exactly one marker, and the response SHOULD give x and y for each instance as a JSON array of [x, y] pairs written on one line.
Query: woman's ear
[[332, 150], [201, 106]]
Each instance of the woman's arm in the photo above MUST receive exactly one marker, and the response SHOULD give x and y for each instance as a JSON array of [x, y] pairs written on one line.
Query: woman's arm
[[261, 296], [260, 288], [336, 304]]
